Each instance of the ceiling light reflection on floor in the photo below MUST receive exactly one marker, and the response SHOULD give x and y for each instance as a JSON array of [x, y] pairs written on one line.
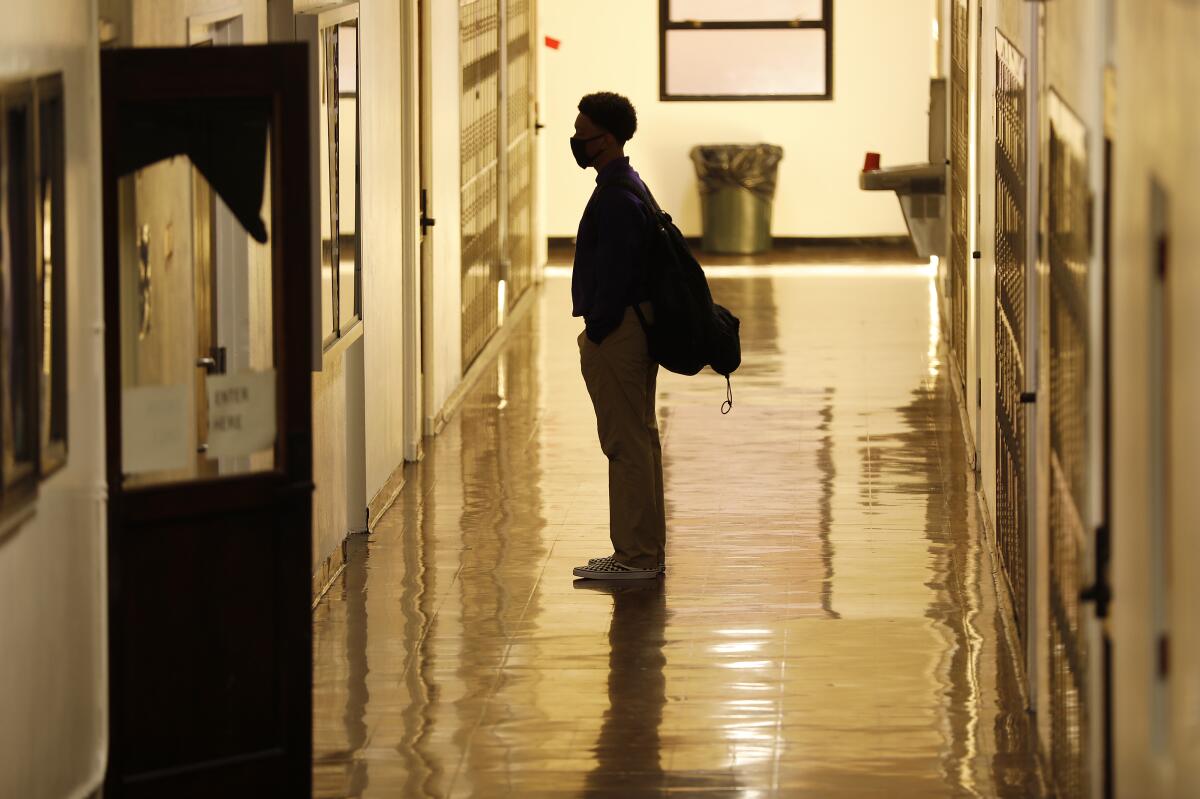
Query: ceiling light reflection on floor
[[747, 646]]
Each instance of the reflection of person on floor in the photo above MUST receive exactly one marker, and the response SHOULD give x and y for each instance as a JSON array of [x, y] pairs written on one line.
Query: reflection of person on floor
[[628, 750], [607, 281]]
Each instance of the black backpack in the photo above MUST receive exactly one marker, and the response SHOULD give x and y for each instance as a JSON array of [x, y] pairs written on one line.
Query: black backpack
[[690, 331]]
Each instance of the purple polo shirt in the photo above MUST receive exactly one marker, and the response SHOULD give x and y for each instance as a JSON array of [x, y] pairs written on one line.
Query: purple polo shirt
[[609, 273]]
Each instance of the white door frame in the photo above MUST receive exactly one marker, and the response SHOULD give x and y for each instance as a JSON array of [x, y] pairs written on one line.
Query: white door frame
[[413, 121], [426, 384]]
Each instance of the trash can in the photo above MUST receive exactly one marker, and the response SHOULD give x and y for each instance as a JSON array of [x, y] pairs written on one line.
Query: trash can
[[737, 193]]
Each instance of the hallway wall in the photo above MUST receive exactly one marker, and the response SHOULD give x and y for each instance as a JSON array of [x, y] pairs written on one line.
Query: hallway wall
[[1155, 466], [880, 103], [1153, 378], [53, 666], [389, 235]]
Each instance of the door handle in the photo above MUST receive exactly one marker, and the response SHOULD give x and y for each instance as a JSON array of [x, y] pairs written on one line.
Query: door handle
[[213, 364], [426, 220], [1100, 592]]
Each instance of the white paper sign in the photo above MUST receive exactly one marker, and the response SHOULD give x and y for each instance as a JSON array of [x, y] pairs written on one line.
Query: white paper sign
[[156, 429], [241, 413]]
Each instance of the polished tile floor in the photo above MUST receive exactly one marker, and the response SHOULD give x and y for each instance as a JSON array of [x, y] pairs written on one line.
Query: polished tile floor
[[827, 626]]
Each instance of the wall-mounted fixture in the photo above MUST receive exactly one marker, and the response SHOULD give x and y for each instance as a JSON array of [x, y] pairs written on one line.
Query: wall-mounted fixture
[[921, 188]]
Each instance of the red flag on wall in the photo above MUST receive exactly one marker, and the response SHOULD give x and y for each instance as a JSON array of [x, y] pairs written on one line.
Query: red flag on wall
[[552, 43]]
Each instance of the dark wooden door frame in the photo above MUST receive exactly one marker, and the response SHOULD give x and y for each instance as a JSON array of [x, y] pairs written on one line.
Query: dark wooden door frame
[[277, 73]]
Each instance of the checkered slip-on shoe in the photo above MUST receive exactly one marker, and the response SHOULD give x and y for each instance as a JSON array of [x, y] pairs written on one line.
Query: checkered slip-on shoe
[[614, 587], [662, 567], [610, 569]]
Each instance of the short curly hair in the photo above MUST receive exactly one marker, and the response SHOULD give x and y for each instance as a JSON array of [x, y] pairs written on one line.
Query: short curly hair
[[612, 112]]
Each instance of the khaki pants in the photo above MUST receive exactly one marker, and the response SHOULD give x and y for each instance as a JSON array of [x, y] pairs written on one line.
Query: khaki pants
[[621, 379]]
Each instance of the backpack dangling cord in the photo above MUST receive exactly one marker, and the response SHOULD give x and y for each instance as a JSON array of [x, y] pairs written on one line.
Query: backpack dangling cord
[[727, 405]]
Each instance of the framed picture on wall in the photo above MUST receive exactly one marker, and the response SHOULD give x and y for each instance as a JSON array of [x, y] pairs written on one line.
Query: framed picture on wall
[[18, 293], [51, 274], [33, 289]]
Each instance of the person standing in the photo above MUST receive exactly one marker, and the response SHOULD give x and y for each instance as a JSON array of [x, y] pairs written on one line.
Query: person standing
[[607, 281]]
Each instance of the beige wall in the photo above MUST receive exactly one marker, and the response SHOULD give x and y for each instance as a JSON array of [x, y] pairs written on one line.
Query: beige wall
[[881, 96], [329, 458], [1158, 125], [389, 233], [53, 670]]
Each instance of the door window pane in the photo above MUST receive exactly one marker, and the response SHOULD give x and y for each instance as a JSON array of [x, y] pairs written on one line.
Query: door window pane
[[746, 10], [196, 319], [777, 61], [341, 290], [349, 301], [328, 133]]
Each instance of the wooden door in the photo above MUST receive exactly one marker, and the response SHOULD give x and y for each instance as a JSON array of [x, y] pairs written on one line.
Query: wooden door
[[209, 576]]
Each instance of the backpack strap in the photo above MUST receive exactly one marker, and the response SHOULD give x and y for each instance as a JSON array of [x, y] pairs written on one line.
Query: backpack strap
[[640, 191]]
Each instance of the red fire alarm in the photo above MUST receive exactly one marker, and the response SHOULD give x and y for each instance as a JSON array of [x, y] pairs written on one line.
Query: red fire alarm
[[552, 43]]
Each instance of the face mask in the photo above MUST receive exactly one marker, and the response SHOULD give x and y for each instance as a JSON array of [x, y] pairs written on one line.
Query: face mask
[[579, 150]]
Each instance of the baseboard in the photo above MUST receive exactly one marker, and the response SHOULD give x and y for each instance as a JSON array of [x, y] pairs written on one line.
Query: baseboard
[[1009, 624], [958, 383], [386, 496], [327, 572], [434, 425]]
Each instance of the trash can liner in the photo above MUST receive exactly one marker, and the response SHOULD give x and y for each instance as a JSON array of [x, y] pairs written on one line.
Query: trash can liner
[[748, 166]]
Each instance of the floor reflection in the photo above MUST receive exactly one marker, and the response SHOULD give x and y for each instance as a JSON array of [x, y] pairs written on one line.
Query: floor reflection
[[628, 750], [827, 626]]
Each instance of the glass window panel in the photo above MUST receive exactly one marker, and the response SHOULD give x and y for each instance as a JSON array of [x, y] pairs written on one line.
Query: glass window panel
[[348, 57], [175, 308], [348, 173], [327, 131], [753, 62], [746, 10], [19, 334]]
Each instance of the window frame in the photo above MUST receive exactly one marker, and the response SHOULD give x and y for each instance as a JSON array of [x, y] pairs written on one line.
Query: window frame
[[313, 26], [665, 24]]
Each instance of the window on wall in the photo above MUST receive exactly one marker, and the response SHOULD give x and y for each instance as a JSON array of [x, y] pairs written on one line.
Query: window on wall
[[341, 259], [746, 50]]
